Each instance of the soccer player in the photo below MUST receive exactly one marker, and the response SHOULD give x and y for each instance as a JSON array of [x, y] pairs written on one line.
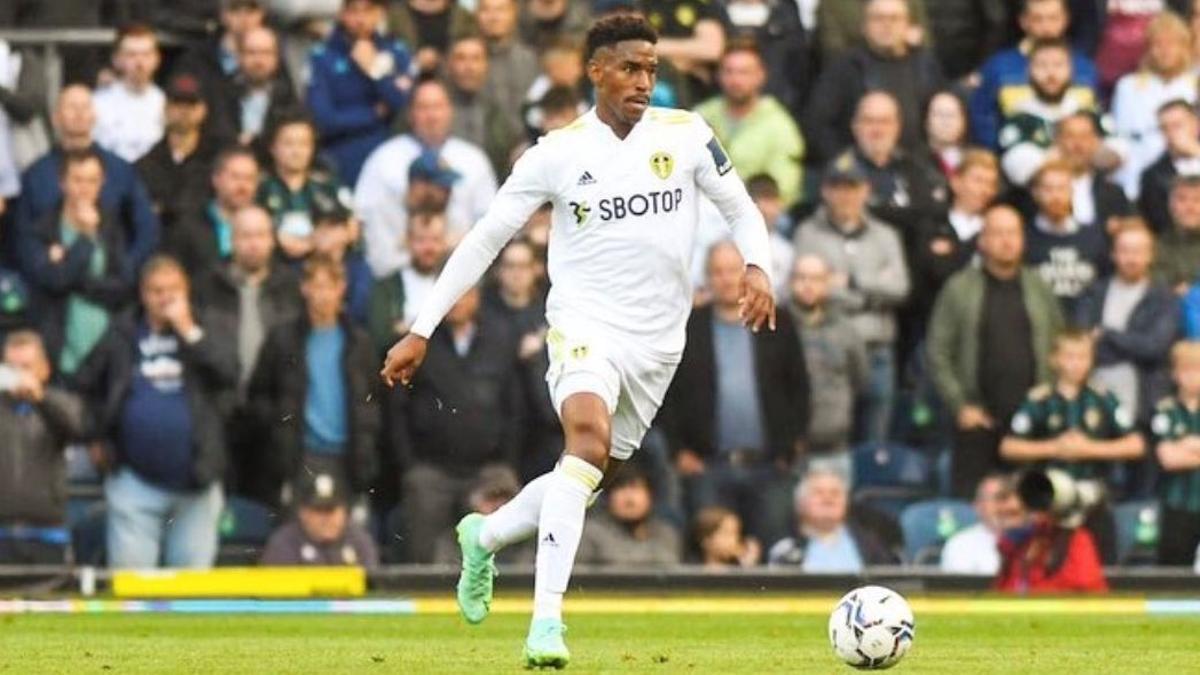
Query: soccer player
[[624, 181]]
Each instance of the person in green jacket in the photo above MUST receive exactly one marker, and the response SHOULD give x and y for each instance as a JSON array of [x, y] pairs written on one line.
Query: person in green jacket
[[756, 130], [989, 339]]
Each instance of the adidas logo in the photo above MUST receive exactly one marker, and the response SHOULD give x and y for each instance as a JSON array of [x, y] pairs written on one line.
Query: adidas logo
[[586, 179], [549, 539]]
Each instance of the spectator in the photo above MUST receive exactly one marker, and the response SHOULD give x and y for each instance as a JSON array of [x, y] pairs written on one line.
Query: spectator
[[294, 183], [947, 243], [1133, 321], [333, 238], [512, 64], [788, 49], [203, 239], [254, 292], [1176, 433], [158, 384], [22, 109], [396, 298], [903, 189], [887, 62], [557, 91], [1045, 557], [1030, 122], [717, 532], [261, 90], [988, 343], [1068, 255], [1167, 74], [835, 359], [869, 280], [974, 550], [76, 261], [1007, 72], [176, 170], [738, 407], [478, 118], [691, 39], [1181, 130], [840, 26], [542, 22], [123, 192], [380, 194], [1095, 199], [758, 132], [825, 541], [37, 421], [428, 27], [497, 485], [215, 61], [947, 130], [627, 532], [463, 412], [1178, 262], [765, 192], [359, 80], [313, 387], [1069, 424], [966, 33], [322, 532], [129, 110], [520, 298], [1120, 34]]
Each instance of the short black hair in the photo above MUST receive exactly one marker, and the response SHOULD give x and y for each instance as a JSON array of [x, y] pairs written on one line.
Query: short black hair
[[617, 28]]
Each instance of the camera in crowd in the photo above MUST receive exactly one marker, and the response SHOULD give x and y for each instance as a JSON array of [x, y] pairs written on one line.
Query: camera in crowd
[[1066, 500]]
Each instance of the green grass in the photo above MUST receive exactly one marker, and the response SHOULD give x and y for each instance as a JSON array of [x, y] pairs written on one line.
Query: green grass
[[726, 643]]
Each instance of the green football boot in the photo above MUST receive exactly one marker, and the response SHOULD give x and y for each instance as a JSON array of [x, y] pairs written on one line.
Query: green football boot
[[478, 570], [544, 648]]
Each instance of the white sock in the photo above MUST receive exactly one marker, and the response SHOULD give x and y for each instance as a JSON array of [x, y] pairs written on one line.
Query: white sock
[[570, 487], [517, 519]]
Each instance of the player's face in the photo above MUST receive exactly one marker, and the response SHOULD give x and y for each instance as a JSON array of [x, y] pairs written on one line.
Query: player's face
[[1002, 240], [1078, 141], [1133, 252], [1185, 207], [1050, 73], [624, 76], [810, 282], [1044, 20], [1053, 195], [1073, 361], [975, 188]]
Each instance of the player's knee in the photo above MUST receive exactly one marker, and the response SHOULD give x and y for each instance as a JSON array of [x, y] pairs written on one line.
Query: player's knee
[[588, 439]]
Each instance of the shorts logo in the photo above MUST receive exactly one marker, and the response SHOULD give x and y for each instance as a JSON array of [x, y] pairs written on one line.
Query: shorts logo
[[581, 211], [720, 158], [662, 164]]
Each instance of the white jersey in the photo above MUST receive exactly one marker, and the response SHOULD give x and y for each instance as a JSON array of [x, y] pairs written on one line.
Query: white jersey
[[625, 213]]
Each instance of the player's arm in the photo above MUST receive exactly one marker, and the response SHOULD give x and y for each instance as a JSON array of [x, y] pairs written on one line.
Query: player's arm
[[521, 195], [717, 179]]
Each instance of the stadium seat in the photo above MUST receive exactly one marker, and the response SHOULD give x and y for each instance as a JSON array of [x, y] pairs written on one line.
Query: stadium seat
[[1137, 532], [245, 527], [892, 465], [928, 524]]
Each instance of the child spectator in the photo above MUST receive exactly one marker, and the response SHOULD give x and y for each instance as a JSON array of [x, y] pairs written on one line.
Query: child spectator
[[627, 532], [717, 532], [1176, 433]]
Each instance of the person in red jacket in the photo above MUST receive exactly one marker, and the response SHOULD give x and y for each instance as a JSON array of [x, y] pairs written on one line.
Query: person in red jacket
[[1045, 557]]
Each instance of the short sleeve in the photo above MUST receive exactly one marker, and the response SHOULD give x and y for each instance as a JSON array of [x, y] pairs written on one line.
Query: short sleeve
[[1120, 416], [1024, 421]]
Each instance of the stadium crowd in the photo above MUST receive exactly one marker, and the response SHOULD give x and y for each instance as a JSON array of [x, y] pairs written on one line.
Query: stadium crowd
[[985, 220]]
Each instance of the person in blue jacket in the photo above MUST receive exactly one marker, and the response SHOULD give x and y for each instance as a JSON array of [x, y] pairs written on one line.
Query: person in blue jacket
[[1008, 69], [360, 79], [123, 193]]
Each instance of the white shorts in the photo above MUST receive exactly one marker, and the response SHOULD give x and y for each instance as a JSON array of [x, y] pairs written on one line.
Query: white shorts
[[632, 382]]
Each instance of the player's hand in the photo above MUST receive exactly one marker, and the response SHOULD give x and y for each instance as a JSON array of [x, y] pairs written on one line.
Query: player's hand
[[403, 359], [757, 305]]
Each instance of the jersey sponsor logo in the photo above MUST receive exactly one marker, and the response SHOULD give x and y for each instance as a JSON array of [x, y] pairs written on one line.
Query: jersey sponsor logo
[[720, 158], [586, 179], [650, 203], [581, 211], [662, 164]]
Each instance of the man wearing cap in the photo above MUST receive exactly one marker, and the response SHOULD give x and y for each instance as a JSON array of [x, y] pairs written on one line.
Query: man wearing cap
[[379, 196], [176, 169], [360, 79], [868, 282], [129, 111], [322, 533]]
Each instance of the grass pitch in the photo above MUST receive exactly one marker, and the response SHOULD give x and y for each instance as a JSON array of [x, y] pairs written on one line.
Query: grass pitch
[[600, 642]]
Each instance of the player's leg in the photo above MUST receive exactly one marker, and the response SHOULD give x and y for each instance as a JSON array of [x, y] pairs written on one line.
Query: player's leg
[[587, 428]]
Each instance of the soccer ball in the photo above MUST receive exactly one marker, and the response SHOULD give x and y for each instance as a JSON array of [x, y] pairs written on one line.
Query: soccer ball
[[871, 628]]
